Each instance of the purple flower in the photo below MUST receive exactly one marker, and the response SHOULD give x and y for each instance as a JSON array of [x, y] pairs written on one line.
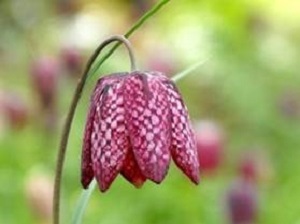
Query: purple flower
[[137, 121], [242, 203], [72, 60], [45, 73]]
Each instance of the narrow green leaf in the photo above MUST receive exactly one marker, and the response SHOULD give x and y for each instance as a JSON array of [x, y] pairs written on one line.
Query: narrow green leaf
[[189, 70], [82, 203]]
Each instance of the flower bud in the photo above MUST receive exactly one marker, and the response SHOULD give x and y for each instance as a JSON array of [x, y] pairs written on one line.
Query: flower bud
[[241, 202], [256, 167], [14, 110], [45, 80], [210, 145], [72, 60]]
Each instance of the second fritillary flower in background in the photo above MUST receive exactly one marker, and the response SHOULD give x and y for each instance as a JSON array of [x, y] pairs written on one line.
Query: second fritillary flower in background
[[137, 121], [44, 73], [242, 203]]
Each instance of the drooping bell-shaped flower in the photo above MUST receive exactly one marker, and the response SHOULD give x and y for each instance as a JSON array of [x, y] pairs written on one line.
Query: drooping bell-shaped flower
[[44, 73], [136, 123], [242, 203]]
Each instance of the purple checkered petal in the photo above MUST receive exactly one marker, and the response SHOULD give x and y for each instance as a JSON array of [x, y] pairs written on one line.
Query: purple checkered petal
[[87, 173], [148, 122], [109, 137], [183, 145]]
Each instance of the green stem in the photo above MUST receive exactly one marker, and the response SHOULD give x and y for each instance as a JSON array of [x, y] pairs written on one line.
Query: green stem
[[135, 26], [69, 119]]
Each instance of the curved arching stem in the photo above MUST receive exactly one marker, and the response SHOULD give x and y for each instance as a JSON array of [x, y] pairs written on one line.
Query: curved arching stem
[[69, 119]]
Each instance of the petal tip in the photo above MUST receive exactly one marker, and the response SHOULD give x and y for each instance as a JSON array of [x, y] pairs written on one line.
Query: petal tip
[[196, 180], [138, 183], [157, 181], [103, 187], [84, 185], [158, 174], [85, 181]]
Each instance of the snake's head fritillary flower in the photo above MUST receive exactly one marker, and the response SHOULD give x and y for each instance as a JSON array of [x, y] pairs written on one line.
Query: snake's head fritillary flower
[[136, 123], [44, 74], [242, 204]]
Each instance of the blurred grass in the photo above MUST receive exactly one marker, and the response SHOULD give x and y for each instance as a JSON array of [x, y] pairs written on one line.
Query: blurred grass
[[253, 64]]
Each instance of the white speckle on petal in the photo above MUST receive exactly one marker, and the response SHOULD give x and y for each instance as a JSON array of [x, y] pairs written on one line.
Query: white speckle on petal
[[155, 120], [147, 112], [153, 159], [108, 134], [149, 136], [135, 114], [121, 128], [108, 120]]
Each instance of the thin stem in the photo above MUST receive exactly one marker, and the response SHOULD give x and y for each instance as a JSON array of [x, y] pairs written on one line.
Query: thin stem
[[67, 126], [135, 26]]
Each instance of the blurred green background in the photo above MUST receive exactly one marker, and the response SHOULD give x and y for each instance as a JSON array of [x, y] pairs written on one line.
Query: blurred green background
[[249, 87]]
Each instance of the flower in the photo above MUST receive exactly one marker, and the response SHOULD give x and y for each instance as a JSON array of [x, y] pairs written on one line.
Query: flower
[[71, 58], [255, 165], [44, 72], [242, 203], [14, 110], [136, 122], [210, 144]]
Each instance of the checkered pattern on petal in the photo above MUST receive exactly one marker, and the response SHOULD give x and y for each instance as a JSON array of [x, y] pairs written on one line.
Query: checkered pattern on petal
[[87, 173], [135, 123], [147, 116], [109, 136], [183, 146]]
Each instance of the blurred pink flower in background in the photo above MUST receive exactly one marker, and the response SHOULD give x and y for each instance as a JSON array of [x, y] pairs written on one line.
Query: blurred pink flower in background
[[139, 7], [67, 7], [161, 59], [210, 145], [44, 72], [38, 192], [242, 203], [13, 109], [72, 60], [45, 77], [255, 166]]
